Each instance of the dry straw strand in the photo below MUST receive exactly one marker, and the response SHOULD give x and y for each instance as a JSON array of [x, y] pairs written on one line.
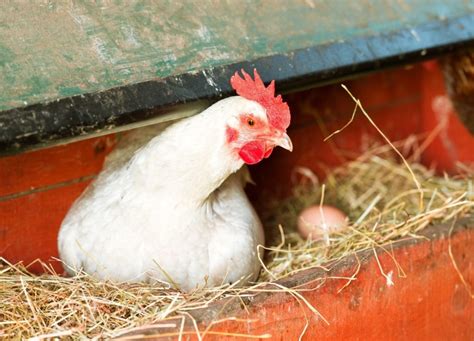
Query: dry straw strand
[[383, 207], [81, 306]]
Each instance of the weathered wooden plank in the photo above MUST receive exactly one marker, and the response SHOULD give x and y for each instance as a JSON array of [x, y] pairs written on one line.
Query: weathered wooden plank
[[28, 173], [54, 50], [426, 300], [69, 70]]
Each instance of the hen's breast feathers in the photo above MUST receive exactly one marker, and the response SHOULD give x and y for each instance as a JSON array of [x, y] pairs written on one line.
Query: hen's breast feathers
[[236, 234], [126, 227]]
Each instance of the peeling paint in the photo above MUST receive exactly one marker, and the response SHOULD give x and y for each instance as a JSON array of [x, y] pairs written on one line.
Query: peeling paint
[[118, 43], [210, 80], [415, 35], [90, 74]]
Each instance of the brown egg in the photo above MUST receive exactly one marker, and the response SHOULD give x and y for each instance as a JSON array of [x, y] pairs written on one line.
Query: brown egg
[[317, 222]]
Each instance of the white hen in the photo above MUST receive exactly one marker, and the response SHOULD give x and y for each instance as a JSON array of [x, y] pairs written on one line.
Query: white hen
[[176, 211]]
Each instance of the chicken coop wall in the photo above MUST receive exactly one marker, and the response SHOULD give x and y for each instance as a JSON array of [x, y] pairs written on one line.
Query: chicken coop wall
[[37, 188]]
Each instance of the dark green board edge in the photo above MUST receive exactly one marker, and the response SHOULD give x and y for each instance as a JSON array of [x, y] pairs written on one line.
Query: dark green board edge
[[87, 115]]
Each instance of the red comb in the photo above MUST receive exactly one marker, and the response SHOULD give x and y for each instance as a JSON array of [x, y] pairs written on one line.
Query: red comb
[[278, 112]]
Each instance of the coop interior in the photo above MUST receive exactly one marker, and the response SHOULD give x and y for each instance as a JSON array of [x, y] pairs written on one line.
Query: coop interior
[[390, 148], [412, 108]]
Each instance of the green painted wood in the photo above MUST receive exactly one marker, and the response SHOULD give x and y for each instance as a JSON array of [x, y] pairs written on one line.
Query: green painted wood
[[56, 50]]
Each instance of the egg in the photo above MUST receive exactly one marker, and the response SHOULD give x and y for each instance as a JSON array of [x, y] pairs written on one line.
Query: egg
[[317, 222]]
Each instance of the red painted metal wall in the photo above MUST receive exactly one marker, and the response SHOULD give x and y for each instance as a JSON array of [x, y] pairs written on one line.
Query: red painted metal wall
[[37, 188]]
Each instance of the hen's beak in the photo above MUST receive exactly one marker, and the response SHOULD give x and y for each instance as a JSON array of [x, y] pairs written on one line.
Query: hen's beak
[[284, 141]]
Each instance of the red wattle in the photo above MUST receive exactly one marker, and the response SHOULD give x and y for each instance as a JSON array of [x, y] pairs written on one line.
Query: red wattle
[[268, 152], [252, 152]]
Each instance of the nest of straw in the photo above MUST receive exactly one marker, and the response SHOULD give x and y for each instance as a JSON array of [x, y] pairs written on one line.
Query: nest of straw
[[383, 205], [377, 193]]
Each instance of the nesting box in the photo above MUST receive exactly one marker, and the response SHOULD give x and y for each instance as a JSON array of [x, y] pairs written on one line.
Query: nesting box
[[75, 78]]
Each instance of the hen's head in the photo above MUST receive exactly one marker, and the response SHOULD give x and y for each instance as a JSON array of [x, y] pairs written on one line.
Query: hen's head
[[259, 120]]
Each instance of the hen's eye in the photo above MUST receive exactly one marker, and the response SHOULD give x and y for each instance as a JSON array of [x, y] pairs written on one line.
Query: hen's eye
[[250, 122]]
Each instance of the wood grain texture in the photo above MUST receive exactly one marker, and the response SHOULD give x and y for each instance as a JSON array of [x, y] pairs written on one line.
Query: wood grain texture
[[51, 50], [30, 172]]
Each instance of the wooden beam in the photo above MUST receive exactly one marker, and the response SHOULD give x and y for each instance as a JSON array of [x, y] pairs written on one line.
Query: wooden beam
[[73, 71]]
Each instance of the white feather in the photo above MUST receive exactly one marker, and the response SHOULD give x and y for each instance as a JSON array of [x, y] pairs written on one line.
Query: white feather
[[174, 208]]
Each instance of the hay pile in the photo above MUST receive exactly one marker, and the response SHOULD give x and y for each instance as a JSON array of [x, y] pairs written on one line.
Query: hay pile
[[377, 192], [383, 205]]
